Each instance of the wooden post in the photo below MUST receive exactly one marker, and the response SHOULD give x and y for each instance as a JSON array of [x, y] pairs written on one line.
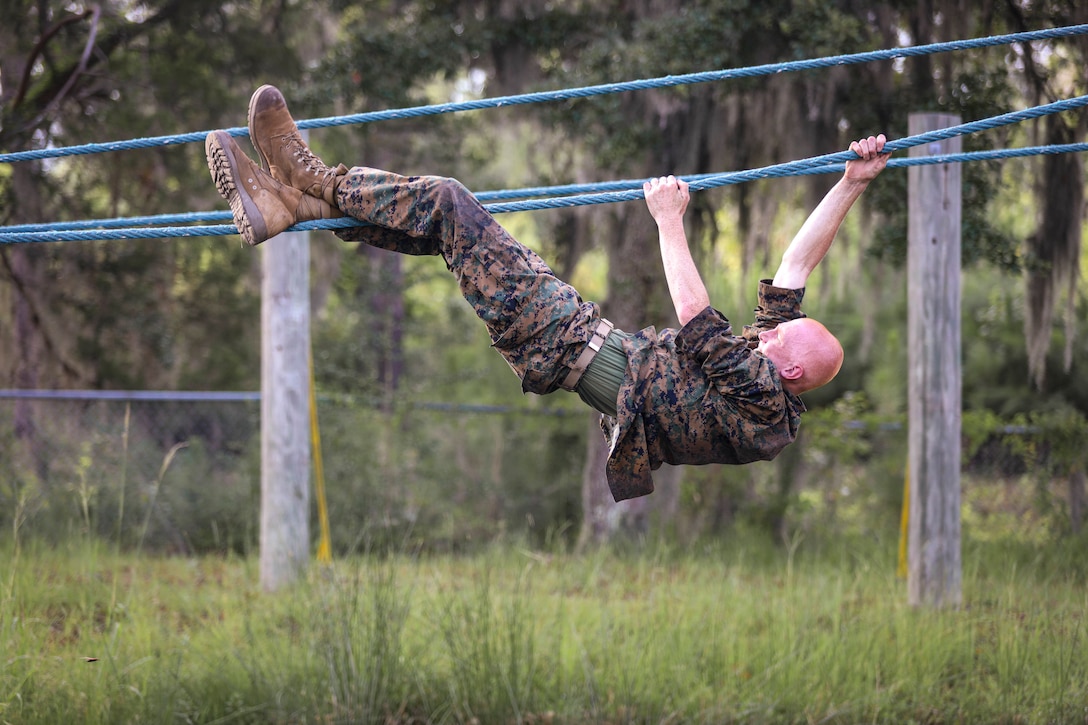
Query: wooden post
[[933, 295], [285, 413]]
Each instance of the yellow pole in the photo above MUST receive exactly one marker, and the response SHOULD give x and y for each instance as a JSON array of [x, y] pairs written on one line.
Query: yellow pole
[[324, 547]]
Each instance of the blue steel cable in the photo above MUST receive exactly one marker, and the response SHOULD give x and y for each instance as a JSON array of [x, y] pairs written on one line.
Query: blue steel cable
[[120, 222], [544, 191], [48, 233], [572, 93], [714, 180], [794, 167]]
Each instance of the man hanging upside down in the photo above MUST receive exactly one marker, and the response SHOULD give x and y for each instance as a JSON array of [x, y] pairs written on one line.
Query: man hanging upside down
[[697, 395]]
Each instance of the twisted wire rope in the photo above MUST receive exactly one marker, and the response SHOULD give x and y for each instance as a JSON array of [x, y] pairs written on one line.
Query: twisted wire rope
[[826, 163], [545, 191], [574, 93]]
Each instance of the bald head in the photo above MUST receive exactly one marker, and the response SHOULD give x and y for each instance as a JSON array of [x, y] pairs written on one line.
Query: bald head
[[806, 354]]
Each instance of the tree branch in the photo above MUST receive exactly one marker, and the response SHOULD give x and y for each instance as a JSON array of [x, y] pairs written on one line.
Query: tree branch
[[79, 70], [36, 318], [48, 35]]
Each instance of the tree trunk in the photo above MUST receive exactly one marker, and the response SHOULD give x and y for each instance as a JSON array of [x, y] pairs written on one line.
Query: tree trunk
[[386, 304], [1076, 500], [598, 508], [1056, 243], [25, 361]]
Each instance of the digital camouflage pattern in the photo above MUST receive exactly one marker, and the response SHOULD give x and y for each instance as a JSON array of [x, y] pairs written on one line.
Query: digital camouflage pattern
[[701, 395], [538, 322], [691, 396]]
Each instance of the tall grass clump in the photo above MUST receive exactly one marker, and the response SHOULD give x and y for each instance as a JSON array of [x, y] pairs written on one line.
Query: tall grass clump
[[360, 635], [489, 636]]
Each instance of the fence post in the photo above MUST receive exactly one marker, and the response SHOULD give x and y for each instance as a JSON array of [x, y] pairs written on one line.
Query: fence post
[[285, 414], [935, 378]]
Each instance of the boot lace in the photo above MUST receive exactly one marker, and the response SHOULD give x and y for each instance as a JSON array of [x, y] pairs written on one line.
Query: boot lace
[[296, 147]]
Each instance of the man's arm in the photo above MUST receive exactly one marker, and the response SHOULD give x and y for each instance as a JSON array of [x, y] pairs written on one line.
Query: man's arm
[[818, 232], [667, 198]]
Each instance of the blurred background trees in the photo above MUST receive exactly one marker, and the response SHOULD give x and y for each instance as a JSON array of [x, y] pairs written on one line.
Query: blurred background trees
[[391, 331]]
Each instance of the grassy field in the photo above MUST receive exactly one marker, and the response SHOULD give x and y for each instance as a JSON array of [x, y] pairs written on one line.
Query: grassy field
[[740, 632]]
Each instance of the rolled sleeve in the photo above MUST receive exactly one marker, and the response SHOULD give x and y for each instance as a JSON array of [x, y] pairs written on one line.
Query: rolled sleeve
[[725, 359], [776, 305], [708, 333]]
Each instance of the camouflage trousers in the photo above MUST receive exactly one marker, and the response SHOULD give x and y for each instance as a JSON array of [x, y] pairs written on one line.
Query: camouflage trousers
[[536, 321]]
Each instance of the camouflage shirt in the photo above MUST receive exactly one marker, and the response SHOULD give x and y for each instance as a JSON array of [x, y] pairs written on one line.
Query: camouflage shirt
[[701, 395]]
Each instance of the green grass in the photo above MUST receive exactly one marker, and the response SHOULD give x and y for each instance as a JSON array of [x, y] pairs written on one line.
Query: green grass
[[725, 633]]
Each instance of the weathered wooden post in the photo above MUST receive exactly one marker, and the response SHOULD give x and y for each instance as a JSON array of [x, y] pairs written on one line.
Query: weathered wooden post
[[933, 324], [285, 412]]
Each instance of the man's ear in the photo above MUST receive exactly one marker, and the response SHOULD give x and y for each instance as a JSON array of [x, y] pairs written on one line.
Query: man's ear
[[793, 371]]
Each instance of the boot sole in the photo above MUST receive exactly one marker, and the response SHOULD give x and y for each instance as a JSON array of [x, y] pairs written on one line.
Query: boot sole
[[224, 170], [252, 136]]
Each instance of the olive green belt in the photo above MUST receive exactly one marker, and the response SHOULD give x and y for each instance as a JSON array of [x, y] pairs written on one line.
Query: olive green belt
[[599, 386]]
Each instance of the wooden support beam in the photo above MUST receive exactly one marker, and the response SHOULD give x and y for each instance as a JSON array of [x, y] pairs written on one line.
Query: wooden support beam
[[285, 412], [935, 373]]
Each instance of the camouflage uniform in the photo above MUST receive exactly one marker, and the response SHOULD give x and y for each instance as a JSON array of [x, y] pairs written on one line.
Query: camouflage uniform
[[691, 396], [701, 395]]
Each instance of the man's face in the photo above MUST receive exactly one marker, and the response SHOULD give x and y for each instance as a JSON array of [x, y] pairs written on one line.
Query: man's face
[[805, 353], [774, 343]]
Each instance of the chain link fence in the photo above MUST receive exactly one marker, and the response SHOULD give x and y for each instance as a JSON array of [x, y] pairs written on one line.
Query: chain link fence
[[180, 473], [140, 467]]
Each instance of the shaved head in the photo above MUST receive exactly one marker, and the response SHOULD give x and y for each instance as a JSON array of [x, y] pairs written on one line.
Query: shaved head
[[821, 354], [806, 354]]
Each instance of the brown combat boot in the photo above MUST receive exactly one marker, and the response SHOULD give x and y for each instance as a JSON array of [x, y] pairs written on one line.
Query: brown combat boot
[[262, 207], [283, 152]]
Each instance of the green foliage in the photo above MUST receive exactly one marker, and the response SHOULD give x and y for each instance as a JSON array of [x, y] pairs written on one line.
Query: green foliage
[[979, 91], [385, 50], [1051, 444], [995, 358], [136, 314], [1058, 445]]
